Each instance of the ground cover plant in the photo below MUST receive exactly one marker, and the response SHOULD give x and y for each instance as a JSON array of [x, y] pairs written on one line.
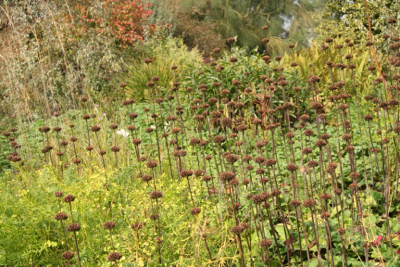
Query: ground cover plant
[[248, 160]]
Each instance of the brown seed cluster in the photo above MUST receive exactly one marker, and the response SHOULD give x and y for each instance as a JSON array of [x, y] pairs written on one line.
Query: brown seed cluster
[[67, 255], [109, 225], [292, 167], [186, 173], [61, 216], [295, 203], [325, 215], [195, 211], [136, 226], [309, 203], [265, 243], [69, 198], [147, 178], [151, 164], [227, 176], [114, 256], [74, 227], [237, 229], [156, 194]]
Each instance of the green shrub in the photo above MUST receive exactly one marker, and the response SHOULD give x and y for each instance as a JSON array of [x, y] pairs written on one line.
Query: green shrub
[[164, 54]]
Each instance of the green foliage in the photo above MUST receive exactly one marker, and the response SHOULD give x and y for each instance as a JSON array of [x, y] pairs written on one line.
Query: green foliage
[[348, 19], [164, 54], [28, 239], [313, 60], [244, 19]]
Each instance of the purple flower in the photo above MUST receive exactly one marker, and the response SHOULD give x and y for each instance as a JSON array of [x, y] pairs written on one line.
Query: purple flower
[[95, 105], [13, 115]]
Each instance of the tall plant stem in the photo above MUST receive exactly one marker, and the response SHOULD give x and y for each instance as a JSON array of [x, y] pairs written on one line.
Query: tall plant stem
[[373, 47], [169, 158], [239, 240], [111, 238], [274, 235], [315, 228], [76, 240]]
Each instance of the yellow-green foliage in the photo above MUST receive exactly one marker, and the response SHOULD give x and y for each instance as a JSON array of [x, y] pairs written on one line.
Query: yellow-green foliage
[[29, 231], [313, 61], [164, 54], [348, 19]]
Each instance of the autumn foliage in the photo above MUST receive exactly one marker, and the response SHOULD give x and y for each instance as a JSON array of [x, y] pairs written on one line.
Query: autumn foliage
[[125, 21], [128, 19]]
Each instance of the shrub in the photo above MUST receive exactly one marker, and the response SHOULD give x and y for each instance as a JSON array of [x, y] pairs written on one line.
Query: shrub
[[164, 54]]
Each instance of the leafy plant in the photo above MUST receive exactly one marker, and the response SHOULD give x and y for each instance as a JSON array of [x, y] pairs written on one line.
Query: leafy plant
[[164, 55]]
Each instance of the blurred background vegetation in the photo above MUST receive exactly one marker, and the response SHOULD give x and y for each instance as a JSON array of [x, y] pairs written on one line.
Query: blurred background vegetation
[[208, 23]]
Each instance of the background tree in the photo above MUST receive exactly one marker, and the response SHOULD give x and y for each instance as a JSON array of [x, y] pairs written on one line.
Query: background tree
[[348, 19], [288, 21]]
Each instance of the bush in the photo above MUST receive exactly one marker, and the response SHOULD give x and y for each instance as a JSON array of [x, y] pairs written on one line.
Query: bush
[[164, 54]]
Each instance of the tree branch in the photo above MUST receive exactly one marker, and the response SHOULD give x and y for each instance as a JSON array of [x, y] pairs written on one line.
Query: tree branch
[[249, 9], [257, 9]]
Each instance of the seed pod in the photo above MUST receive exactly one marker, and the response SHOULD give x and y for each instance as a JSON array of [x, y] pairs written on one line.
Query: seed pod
[[295, 203], [136, 226], [109, 225], [186, 173], [309, 203], [325, 215], [69, 198], [73, 227], [237, 229], [67, 255], [156, 194], [61, 216], [227, 176], [194, 211], [292, 167], [265, 243], [151, 164], [113, 126], [114, 256], [115, 149]]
